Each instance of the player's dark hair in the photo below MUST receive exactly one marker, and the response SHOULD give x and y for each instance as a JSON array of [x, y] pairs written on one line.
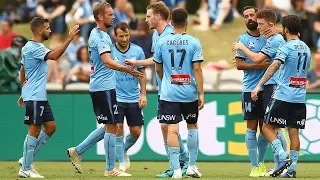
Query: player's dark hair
[[179, 17], [160, 8], [37, 22], [292, 23], [123, 26], [250, 7], [267, 14]]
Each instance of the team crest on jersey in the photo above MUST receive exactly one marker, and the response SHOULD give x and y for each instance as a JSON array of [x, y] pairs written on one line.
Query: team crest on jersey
[[251, 45]]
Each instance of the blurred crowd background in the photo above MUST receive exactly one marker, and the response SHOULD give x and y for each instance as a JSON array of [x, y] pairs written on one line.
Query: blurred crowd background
[[72, 71]]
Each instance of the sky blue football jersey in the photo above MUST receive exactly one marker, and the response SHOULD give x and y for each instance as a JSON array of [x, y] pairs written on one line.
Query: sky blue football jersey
[[101, 78], [270, 50], [177, 53], [255, 44], [36, 69], [296, 58], [155, 37], [127, 85]]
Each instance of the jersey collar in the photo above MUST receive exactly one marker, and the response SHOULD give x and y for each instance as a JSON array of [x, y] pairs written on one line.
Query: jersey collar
[[122, 51]]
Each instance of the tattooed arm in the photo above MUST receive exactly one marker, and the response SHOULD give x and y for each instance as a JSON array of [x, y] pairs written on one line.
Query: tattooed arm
[[269, 73]]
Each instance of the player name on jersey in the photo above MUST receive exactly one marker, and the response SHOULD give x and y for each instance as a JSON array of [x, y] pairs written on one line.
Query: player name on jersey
[[177, 42]]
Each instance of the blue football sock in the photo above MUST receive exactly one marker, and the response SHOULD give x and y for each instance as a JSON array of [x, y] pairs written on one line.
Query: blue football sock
[[167, 151], [284, 146], [193, 145], [120, 149], [130, 141], [174, 153], [278, 150], [28, 152], [283, 140], [42, 140], [110, 150], [252, 144], [262, 147], [294, 156], [92, 139], [183, 153]]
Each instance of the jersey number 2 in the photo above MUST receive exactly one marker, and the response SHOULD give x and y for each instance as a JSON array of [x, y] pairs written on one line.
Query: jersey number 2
[[302, 59], [183, 51]]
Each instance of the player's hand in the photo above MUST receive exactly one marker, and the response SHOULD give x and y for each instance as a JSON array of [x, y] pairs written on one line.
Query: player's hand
[[73, 32], [265, 64], [201, 101], [142, 101], [237, 46], [135, 73], [254, 94], [271, 31], [20, 102], [131, 62]]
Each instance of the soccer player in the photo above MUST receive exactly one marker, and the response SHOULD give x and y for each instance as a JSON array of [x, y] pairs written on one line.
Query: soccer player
[[33, 78], [266, 19], [102, 91], [157, 18], [288, 108], [178, 58], [253, 112], [130, 99]]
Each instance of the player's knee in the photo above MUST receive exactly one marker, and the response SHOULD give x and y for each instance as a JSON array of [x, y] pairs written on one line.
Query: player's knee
[[173, 133], [51, 129], [111, 128], [34, 130], [252, 124], [120, 130], [136, 132], [192, 126], [164, 128]]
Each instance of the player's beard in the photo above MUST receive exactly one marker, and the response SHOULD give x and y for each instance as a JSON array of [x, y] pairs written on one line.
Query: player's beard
[[45, 37], [123, 45], [251, 25], [108, 25]]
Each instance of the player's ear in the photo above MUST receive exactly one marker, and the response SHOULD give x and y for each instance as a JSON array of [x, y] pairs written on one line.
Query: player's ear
[[100, 17], [286, 30]]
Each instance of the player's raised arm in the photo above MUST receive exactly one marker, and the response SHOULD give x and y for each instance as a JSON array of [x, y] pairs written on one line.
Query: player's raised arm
[[55, 54]]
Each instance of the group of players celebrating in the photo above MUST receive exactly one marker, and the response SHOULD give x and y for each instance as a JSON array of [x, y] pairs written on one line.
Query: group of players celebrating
[[274, 98], [118, 69]]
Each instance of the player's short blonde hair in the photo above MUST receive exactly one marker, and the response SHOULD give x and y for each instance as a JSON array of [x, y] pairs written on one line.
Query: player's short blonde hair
[[160, 8], [99, 8]]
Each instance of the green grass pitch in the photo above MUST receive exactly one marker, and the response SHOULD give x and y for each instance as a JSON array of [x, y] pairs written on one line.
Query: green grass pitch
[[148, 170]]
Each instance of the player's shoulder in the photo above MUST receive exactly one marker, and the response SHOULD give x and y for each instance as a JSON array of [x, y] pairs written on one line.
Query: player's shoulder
[[192, 39], [276, 38], [244, 37], [113, 47], [33, 46], [135, 47], [98, 34]]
